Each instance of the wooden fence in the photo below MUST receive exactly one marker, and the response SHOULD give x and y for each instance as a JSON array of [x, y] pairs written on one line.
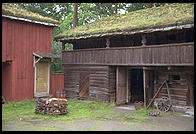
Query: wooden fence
[[56, 83]]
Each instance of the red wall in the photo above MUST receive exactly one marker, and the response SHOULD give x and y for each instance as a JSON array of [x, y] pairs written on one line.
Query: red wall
[[6, 78], [56, 83], [19, 40]]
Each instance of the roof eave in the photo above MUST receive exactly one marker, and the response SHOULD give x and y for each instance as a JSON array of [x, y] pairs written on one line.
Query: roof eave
[[131, 32], [32, 21]]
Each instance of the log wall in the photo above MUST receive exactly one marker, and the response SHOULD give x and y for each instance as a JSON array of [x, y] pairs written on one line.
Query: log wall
[[179, 89], [98, 81]]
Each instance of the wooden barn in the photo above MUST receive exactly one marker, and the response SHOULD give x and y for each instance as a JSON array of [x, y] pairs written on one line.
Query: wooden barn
[[125, 58], [26, 55]]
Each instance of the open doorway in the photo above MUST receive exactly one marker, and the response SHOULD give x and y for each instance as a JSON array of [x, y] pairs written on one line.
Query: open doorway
[[136, 85]]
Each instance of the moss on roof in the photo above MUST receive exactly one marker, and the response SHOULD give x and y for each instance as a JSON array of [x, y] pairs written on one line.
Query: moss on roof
[[13, 10], [163, 16]]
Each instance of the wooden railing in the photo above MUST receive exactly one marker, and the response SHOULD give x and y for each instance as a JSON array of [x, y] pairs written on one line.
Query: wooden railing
[[154, 55]]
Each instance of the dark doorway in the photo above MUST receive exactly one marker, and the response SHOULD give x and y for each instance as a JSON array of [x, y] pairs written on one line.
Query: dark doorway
[[136, 85]]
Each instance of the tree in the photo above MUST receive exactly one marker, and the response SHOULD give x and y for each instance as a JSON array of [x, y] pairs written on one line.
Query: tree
[[75, 21], [149, 5], [116, 7]]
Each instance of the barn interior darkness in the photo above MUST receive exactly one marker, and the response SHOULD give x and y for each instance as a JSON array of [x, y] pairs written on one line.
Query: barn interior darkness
[[136, 85], [155, 38]]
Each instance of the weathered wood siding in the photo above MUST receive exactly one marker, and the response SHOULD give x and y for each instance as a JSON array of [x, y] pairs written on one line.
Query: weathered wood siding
[[112, 83], [98, 81], [179, 90], [56, 83], [19, 40], [7, 32], [181, 54], [121, 85]]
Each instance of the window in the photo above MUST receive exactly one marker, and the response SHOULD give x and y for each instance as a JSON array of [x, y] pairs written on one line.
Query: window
[[174, 77]]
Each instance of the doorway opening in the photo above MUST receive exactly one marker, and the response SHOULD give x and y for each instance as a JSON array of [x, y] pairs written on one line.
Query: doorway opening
[[136, 85]]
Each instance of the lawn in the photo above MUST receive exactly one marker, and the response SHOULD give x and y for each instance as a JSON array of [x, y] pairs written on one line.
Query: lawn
[[77, 110], [83, 116]]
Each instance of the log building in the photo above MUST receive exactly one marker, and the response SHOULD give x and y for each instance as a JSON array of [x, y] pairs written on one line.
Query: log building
[[125, 58]]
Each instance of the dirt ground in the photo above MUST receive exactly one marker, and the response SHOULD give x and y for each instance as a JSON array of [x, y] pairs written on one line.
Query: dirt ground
[[166, 123]]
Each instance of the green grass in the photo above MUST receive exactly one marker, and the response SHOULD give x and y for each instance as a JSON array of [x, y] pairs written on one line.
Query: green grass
[[25, 110], [13, 10], [78, 110], [24, 113]]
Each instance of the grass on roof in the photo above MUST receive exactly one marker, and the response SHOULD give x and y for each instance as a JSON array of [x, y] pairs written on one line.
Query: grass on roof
[[150, 17], [13, 10]]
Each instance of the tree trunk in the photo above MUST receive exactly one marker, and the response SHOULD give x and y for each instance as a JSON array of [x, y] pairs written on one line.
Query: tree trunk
[[116, 7], [149, 5], [75, 21]]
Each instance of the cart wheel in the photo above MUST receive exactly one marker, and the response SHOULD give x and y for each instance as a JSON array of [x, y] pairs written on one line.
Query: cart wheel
[[163, 105]]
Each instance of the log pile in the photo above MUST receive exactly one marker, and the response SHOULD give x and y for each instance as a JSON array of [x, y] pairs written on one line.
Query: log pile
[[52, 106], [139, 105]]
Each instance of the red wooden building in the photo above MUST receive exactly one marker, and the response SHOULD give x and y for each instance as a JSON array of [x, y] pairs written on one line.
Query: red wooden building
[[26, 55]]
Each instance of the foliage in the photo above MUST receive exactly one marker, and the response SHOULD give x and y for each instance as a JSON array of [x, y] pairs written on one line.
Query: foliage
[[52, 10], [57, 63]]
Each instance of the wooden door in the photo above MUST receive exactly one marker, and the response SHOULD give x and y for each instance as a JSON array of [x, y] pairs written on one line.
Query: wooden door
[[42, 79], [148, 86], [84, 85], [121, 86]]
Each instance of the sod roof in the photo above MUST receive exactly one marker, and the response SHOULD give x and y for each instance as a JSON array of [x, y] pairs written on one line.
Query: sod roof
[[12, 11], [171, 15]]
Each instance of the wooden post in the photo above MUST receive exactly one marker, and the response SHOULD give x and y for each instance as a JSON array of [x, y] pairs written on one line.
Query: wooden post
[[144, 40], [190, 96], [144, 80], [127, 76], [107, 43], [116, 84], [63, 46]]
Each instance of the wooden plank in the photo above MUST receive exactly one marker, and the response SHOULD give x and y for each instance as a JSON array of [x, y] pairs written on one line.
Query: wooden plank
[[175, 91], [121, 91], [145, 86], [158, 91], [157, 55], [42, 77], [75, 77], [177, 97]]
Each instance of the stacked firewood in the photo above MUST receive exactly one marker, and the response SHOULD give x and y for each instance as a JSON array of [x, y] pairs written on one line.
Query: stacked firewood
[[53, 106]]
